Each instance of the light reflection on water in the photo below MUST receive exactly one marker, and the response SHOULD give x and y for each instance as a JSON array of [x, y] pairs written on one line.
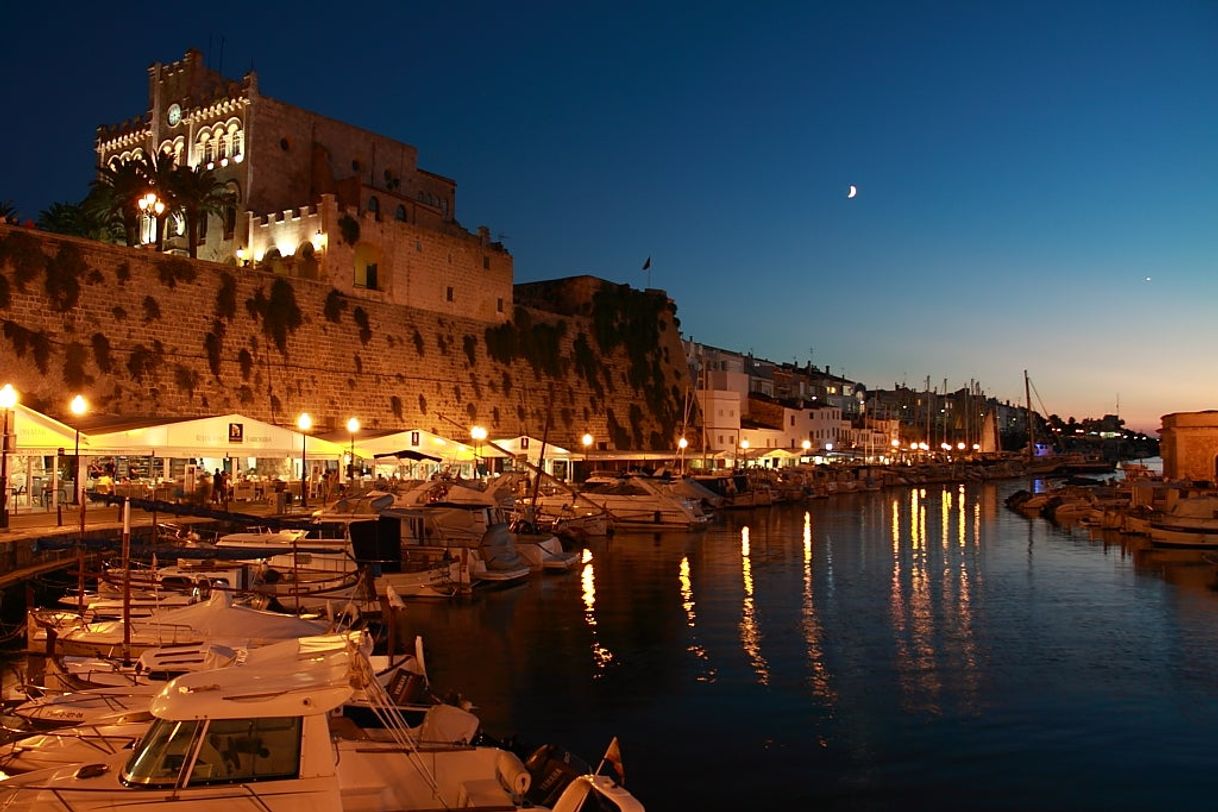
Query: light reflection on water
[[909, 648]]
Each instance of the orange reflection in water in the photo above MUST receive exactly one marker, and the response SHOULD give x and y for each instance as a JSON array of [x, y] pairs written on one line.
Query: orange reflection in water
[[750, 635], [819, 677], [601, 656], [687, 602]]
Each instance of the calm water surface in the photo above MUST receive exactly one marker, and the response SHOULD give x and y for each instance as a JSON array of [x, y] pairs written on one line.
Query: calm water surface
[[916, 648]]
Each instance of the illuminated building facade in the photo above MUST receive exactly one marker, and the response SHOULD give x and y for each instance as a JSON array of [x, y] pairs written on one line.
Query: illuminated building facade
[[315, 198]]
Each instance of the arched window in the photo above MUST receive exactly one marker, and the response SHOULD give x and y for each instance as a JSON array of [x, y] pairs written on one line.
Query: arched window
[[400, 214], [374, 206]]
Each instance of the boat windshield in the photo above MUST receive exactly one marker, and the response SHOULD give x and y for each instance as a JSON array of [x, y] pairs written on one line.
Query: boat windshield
[[229, 751], [162, 753]]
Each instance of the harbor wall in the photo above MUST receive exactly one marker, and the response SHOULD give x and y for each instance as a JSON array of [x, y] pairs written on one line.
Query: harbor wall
[[147, 334]]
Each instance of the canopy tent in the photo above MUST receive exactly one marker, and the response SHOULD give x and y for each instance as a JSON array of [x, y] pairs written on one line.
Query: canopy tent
[[224, 435], [38, 434], [416, 445], [527, 447]]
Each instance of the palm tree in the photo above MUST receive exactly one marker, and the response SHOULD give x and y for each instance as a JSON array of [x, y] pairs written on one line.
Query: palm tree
[[8, 212], [197, 193], [114, 197], [78, 220]]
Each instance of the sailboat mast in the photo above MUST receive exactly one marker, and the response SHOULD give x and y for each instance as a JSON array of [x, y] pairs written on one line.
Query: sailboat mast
[[1027, 389]]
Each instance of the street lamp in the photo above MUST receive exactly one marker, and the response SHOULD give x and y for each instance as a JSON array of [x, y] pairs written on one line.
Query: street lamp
[[586, 442], [477, 434], [8, 399], [352, 429], [80, 407], [682, 444], [806, 445], [744, 446], [153, 206], [304, 423]]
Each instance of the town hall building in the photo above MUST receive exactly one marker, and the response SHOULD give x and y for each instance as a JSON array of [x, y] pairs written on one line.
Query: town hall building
[[315, 198]]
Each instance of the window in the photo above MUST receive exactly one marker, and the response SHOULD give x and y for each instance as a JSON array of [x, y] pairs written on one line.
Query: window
[[374, 206], [400, 213], [499, 305], [792, 420], [162, 753], [367, 279], [238, 750], [449, 294]]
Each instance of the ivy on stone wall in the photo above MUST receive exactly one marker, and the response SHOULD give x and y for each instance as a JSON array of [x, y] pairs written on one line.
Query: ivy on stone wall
[[470, 345], [173, 270], [587, 363], [279, 312], [122, 273], [101, 353], [417, 338], [422, 404], [617, 432], [119, 313], [94, 277], [23, 253], [442, 343], [63, 275], [36, 343], [245, 395], [246, 361], [471, 411], [187, 380], [226, 297], [74, 358], [335, 305], [152, 310], [143, 361], [395, 406], [360, 316], [6, 295], [359, 364], [507, 384], [540, 344], [213, 344], [495, 416]]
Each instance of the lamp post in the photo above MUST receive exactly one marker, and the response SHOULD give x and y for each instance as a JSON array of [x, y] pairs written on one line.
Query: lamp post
[[80, 407], [352, 429], [477, 434], [682, 444], [8, 399], [304, 422], [586, 441], [153, 206], [744, 446], [806, 445]]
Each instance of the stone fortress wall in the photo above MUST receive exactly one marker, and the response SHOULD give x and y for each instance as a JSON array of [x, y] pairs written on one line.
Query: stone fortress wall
[[148, 334]]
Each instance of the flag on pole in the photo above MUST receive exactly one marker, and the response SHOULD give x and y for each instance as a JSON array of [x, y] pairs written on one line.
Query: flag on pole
[[647, 264], [613, 755]]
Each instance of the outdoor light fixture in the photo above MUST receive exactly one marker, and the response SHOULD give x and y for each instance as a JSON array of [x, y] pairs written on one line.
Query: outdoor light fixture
[[304, 423], [80, 407], [352, 429], [8, 400]]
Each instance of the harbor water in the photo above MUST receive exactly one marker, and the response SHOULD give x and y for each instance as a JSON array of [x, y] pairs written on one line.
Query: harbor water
[[921, 647]]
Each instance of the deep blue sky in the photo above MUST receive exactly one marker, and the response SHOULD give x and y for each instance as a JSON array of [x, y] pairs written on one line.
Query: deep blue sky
[[1022, 167]]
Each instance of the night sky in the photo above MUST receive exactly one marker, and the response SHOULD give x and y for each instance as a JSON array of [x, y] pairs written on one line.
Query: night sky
[[1038, 182]]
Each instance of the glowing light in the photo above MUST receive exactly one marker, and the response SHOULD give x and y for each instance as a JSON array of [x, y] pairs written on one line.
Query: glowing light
[[304, 422], [353, 425], [828, 446], [586, 440], [319, 241], [79, 405], [477, 433], [8, 397], [239, 157], [682, 444], [806, 445]]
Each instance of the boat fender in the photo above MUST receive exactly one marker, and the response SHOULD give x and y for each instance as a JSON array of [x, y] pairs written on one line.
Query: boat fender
[[512, 773]]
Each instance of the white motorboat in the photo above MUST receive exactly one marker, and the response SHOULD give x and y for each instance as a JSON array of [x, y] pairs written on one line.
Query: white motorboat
[[215, 621], [266, 737], [633, 502]]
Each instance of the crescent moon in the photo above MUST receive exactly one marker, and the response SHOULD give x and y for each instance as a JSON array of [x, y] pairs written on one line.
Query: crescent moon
[[854, 190]]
